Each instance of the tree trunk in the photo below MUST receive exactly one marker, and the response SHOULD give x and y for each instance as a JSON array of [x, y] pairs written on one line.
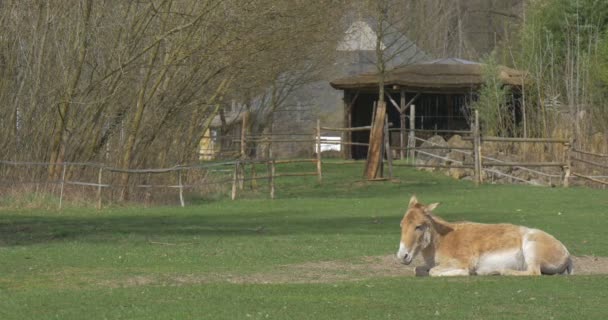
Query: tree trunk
[[64, 106], [134, 126], [374, 152]]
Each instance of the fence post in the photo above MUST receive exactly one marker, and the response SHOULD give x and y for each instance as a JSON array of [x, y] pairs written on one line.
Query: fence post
[[478, 167], [402, 136], [269, 149], [62, 185], [181, 188], [244, 124], [271, 178], [241, 175], [387, 147], [567, 169], [318, 138], [411, 142], [254, 181], [234, 180], [99, 188], [402, 125]]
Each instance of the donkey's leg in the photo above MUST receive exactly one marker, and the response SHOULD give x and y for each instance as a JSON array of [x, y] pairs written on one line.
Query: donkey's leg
[[448, 272], [422, 271], [544, 254], [530, 271], [532, 261]]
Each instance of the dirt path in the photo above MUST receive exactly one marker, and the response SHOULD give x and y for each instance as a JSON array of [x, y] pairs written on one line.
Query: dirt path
[[375, 266], [325, 272]]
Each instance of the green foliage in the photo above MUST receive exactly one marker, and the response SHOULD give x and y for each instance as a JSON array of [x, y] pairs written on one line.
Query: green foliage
[[602, 63], [560, 46], [495, 115], [599, 78]]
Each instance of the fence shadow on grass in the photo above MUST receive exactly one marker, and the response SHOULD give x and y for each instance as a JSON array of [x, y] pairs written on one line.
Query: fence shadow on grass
[[285, 219], [30, 230]]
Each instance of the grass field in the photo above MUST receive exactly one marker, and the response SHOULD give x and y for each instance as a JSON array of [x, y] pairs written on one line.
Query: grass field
[[251, 258]]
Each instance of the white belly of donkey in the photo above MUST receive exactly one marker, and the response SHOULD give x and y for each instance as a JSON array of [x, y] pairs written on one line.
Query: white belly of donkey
[[494, 262]]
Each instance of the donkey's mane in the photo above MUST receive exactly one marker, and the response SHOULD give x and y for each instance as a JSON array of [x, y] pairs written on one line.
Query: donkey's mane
[[441, 226]]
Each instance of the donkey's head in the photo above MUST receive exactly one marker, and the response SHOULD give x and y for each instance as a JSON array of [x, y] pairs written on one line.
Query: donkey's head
[[416, 230]]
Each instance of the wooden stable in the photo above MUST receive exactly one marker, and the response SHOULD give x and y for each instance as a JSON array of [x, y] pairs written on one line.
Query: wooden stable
[[441, 90]]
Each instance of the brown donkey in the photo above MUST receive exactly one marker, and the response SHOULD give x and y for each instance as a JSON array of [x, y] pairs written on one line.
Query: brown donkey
[[467, 248]]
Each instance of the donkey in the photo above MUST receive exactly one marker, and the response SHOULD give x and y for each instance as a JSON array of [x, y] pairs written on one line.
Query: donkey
[[467, 248]]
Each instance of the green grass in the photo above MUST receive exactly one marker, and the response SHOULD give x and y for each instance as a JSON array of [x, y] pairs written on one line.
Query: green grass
[[126, 263]]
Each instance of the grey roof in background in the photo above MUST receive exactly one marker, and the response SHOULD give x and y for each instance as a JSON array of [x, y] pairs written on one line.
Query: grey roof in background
[[449, 61], [439, 74]]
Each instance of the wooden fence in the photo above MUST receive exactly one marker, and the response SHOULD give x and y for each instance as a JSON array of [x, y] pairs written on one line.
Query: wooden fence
[[237, 180], [577, 159], [481, 164], [572, 158]]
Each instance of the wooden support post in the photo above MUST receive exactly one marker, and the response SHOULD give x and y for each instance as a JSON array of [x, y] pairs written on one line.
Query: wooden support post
[[99, 188], [234, 180], [349, 134], [411, 142], [475, 154], [254, 181], [269, 149], [346, 124], [62, 185], [479, 147], [402, 125], [374, 151], [387, 148], [567, 169], [402, 136], [241, 176], [271, 178], [181, 188], [478, 167], [244, 126], [349, 123], [318, 138]]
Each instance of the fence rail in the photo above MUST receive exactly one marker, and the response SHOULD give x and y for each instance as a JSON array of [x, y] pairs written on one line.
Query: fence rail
[[512, 139], [236, 167], [590, 153], [237, 180]]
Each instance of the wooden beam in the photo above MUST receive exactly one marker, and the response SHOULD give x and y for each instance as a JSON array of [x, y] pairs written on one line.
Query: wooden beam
[[590, 178], [352, 102], [591, 153], [410, 102], [393, 102], [411, 141], [478, 167], [592, 163], [387, 149], [402, 125], [345, 122], [524, 164], [445, 166], [374, 152], [528, 140], [348, 136], [318, 134]]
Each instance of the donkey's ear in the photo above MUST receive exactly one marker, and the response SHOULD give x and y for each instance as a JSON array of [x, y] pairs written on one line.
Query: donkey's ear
[[413, 201], [432, 207]]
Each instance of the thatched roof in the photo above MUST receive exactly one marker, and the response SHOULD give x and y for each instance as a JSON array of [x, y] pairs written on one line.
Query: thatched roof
[[450, 73]]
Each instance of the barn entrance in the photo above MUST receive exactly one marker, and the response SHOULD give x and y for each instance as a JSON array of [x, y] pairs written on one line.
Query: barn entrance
[[434, 111]]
